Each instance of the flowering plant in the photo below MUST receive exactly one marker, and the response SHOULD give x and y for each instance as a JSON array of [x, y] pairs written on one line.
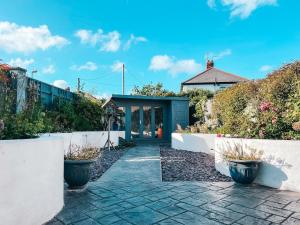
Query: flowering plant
[[77, 152], [238, 151]]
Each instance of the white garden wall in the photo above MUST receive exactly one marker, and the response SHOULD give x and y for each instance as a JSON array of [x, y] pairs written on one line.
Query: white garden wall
[[194, 142], [88, 138], [281, 161], [31, 181]]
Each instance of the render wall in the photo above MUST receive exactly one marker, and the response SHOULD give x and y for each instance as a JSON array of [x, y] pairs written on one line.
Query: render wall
[[32, 182]]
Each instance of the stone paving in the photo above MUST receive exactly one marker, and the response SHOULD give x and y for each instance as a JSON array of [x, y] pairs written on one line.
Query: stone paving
[[131, 192]]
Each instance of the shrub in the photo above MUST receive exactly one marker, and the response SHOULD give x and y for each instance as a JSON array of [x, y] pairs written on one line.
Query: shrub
[[198, 104], [269, 108], [26, 124], [234, 109], [84, 113]]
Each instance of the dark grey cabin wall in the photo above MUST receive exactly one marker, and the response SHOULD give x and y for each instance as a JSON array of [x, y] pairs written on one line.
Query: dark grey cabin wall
[[174, 112], [180, 114]]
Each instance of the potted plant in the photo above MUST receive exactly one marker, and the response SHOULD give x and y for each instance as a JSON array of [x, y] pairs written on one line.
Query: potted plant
[[77, 165], [243, 161]]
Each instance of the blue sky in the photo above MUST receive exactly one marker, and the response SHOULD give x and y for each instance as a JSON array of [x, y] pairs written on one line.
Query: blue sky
[[159, 41]]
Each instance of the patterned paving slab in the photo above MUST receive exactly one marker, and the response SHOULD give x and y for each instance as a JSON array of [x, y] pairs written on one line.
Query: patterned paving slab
[[131, 192]]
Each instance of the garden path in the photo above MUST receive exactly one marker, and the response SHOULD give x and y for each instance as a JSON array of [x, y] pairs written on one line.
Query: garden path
[[132, 192]]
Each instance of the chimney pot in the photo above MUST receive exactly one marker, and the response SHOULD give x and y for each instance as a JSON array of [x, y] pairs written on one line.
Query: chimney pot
[[209, 64]]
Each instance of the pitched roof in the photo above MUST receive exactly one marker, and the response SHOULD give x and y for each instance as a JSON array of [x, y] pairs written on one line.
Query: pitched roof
[[214, 75]]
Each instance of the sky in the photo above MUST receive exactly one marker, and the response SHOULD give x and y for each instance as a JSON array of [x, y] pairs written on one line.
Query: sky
[[158, 41]]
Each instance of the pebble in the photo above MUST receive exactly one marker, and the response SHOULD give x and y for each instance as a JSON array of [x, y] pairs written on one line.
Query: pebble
[[105, 161], [181, 165]]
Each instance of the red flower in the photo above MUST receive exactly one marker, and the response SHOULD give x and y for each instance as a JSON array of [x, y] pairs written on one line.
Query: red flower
[[219, 135]]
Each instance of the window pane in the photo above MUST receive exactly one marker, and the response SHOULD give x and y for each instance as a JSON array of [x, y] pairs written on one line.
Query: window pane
[[135, 121], [147, 122], [119, 120], [158, 122]]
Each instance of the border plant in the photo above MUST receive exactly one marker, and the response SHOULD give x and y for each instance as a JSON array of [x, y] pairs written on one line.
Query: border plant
[[268, 108]]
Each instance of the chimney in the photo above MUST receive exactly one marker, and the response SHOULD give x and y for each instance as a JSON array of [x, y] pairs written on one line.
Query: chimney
[[209, 64]]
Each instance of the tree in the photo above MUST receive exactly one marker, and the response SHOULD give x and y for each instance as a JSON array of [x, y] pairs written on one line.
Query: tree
[[152, 90]]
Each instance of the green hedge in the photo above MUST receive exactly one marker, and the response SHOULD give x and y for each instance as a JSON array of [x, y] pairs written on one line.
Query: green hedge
[[268, 108]]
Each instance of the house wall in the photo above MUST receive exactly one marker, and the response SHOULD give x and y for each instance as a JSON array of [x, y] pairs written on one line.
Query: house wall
[[32, 182], [210, 87]]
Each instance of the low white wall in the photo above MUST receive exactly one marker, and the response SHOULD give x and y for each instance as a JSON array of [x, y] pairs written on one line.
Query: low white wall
[[194, 142], [31, 181], [122, 134], [281, 161], [87, 138]]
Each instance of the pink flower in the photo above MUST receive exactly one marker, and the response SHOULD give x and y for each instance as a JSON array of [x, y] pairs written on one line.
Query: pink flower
[[274, 120], [219, 135], [265, 106]]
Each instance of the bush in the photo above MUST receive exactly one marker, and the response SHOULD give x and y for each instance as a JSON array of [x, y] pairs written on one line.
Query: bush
[[198, 99], [26, 124], [234, 109], [268, 108], [84, 113]]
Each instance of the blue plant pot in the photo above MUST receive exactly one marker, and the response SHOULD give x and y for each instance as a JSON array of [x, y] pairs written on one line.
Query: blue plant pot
[[244, 171], [77, 173]]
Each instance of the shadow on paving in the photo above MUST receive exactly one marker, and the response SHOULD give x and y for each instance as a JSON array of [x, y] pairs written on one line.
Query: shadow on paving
[[132, 192]]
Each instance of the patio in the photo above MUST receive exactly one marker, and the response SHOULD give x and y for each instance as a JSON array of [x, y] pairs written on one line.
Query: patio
[[132, 192]]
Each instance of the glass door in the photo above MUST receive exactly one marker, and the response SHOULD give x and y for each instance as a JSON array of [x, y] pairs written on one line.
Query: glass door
[[147, 122], [147, 129], [135, 122], [158, 115]]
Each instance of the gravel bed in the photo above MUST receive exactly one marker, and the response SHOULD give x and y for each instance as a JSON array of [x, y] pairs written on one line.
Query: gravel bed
[[105, 161], [180, 165]]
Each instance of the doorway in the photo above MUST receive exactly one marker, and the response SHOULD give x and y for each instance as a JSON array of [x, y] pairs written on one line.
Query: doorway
[[147, 122]]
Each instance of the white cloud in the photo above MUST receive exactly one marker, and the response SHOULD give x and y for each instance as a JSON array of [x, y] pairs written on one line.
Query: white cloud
[[265, 68], [173, 66], [90, 66], [161, 62], [23, 63], [242, 8], [219, 55], [108, 42], [134, 40], [25, 39], [117, 66], [188, 66], [211, 3], [61, 84], [49, 69]]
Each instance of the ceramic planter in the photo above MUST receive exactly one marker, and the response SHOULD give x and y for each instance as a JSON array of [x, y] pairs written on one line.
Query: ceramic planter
[[244, 171], [77, 173]]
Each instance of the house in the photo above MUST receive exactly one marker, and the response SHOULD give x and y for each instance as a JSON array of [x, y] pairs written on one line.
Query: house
[[211, 79]]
